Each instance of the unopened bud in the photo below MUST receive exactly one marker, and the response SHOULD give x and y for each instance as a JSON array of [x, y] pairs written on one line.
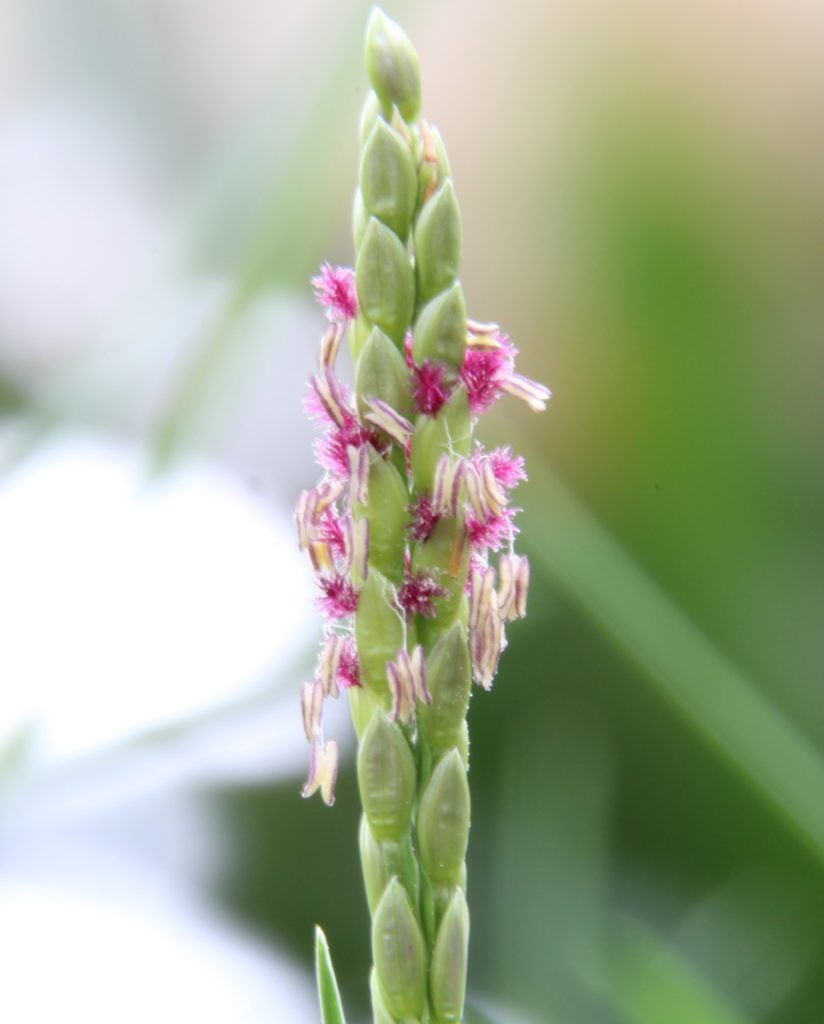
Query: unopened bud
[[392, 66], [374, 867], [370, 112], [449, 958], [380, 1014], [398, 951], [385, 280], [386, 778], [449, 680], [438, 242], [359, 330], [440, 330], [388, 179], [360, 218], [443, 821], [388, 516], [378, 632], [381, 373], [448, 433]]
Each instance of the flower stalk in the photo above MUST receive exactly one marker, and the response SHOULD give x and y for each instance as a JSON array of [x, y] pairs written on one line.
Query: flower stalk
[[403, 533]]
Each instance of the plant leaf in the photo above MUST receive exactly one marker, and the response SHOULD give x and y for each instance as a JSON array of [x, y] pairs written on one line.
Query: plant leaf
[[331, 1009], [699, 682]]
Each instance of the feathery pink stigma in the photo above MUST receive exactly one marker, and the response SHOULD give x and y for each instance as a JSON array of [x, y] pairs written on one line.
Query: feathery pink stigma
[[484, 371], [335, 289], [331, 449], [349, 668], [314, 408], [508, 468], [330, 530], [424, 518], [338, 598], [494, 532], [417, 593], [429, 389]]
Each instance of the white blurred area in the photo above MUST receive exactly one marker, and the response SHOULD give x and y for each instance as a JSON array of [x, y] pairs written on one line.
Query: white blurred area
[[155, 628], [130, 606], [134, 603]]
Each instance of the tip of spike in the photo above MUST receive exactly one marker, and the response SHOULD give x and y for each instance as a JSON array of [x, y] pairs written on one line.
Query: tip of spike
[[392, 66]]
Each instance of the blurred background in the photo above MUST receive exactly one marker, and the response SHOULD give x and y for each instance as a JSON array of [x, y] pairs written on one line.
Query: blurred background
[[641, 187]]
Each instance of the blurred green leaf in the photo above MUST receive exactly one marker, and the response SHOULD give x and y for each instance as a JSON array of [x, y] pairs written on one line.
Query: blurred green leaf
[[550, 857], [331, 1010], [649, 984], [680, 663]]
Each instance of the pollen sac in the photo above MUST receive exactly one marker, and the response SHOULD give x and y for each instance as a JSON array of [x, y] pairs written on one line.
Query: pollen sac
[[356, 547], [323, 771], [385, 280], [392, 66], [514, 573], [449, 680], [388, 179], [390, 422], [398, 951], [440, 331], [387, 512], [311, 706], [378, 632], [386, 779], [438, 242], [447, 433], [443, 821], [449, 478], [487, 638], [449, 959], [381, 373], [407, 684]]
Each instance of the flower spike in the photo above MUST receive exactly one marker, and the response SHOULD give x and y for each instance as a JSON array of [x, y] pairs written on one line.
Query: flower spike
[[410, 534]]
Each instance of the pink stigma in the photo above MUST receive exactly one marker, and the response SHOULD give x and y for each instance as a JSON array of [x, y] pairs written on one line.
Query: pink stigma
[[338, 598], [508, 468], [484, 370], [424, 519], [335, 289], [428, 387], [417, 593], [494, 532], [349, 668]]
